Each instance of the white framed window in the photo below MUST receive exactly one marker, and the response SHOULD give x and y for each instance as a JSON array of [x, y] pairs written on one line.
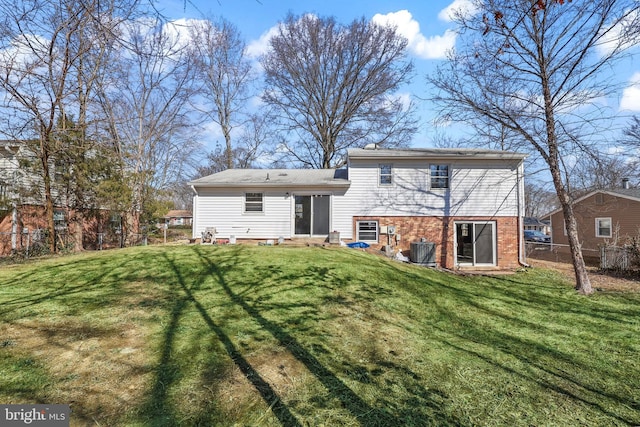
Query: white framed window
[[385, 174], [253, 203], [439, 176], [59, 219], [603, 227], [367, 231]]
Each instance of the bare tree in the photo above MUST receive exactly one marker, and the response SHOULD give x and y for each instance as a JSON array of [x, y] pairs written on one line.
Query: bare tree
[[42, 44], [538, 69], [334, 87], [146, 109], [219, 56], [632, 141]]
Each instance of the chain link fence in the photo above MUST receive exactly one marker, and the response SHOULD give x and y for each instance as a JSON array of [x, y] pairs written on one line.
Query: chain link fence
[[33, 243]]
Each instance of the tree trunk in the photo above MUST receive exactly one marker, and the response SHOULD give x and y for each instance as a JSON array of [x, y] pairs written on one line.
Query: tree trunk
[[583, 284], [77, 220], [48, 199]]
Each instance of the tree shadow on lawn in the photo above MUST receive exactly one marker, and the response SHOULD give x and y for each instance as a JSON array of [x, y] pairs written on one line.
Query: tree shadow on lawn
[[69, 282], [425, 403], [495, 335], [158, 405]]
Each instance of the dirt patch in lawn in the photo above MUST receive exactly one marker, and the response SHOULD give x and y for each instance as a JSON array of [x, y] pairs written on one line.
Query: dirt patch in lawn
[[600, 280], [101, 372]]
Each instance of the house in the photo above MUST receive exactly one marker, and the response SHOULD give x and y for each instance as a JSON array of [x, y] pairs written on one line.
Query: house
[[469, 203], [23, 221], [532, 223], [178, 217], [604, 217]]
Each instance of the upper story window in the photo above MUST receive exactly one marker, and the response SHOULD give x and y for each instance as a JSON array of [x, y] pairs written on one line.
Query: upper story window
[[386, 174], [253, 202], [439, 176], [603, 227]]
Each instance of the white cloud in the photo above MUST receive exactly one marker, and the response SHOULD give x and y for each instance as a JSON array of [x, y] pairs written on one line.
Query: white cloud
[[464, 7], [621, 35], [256, 48], [631, 94], [435, 47]]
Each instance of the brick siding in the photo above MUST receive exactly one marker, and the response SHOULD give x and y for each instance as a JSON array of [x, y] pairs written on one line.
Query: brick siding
[[440, 230]]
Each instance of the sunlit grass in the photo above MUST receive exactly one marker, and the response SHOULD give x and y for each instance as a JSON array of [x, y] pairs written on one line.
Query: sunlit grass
[[249, 335]]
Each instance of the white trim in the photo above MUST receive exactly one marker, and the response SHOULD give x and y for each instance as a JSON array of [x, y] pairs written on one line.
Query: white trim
[[494, 238], [377, 230], [597, 220], [390, 175], [244, 203], [431, 177]]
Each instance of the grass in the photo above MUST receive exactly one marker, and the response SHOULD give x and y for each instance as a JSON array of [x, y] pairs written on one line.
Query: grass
[[269, 336]]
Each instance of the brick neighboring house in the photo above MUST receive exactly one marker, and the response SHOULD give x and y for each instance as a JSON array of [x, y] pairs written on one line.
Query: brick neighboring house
[[604, 217], [178, 217], [22, 214]]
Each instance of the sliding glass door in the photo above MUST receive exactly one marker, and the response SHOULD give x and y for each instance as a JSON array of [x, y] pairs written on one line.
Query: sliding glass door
[[475, 243], [312, 215]]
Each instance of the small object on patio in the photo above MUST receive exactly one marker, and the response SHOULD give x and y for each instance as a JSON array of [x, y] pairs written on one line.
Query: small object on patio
[[358, 245]]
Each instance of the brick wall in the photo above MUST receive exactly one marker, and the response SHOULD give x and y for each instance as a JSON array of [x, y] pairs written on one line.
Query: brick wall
[[441, 231]]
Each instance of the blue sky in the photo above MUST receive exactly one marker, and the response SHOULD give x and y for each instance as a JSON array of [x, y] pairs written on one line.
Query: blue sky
[[425, 23]]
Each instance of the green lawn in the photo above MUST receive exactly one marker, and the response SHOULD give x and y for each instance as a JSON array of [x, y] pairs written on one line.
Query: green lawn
[[269, 336]]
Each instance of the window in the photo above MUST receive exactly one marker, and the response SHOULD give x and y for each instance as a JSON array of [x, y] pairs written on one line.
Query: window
[[253, 202], [386, 174], [59, 221], [603, 227], [439, 176], [367, 231]]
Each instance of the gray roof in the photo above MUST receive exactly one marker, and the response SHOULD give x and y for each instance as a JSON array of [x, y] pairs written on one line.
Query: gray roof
[[628, 193], [433, 153], [275, 178], [633, 193]]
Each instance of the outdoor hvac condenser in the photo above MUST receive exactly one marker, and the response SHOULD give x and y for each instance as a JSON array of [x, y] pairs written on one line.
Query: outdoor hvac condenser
[[423, 253]]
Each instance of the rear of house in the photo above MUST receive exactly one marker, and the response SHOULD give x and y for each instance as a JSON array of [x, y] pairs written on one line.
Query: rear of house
[[469, 203]]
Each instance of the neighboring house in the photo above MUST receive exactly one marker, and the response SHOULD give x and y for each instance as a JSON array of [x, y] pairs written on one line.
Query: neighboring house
[[604, 217], [531, 223], [22, 213], [178, 217], [468, 202]]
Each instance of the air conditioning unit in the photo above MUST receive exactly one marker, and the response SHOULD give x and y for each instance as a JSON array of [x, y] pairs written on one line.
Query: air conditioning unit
[[423, 253]]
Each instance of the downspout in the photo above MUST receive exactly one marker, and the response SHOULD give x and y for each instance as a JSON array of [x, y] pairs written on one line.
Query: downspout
[[14, 228], [194, 208], [520, 182]]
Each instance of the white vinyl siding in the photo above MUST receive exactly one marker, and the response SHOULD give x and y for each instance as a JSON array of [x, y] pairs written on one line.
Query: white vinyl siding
[[487, 189], [224, 210]]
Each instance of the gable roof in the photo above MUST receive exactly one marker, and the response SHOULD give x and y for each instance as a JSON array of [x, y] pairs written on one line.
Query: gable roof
[[274, 178], [626, 193], [433, 153]]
